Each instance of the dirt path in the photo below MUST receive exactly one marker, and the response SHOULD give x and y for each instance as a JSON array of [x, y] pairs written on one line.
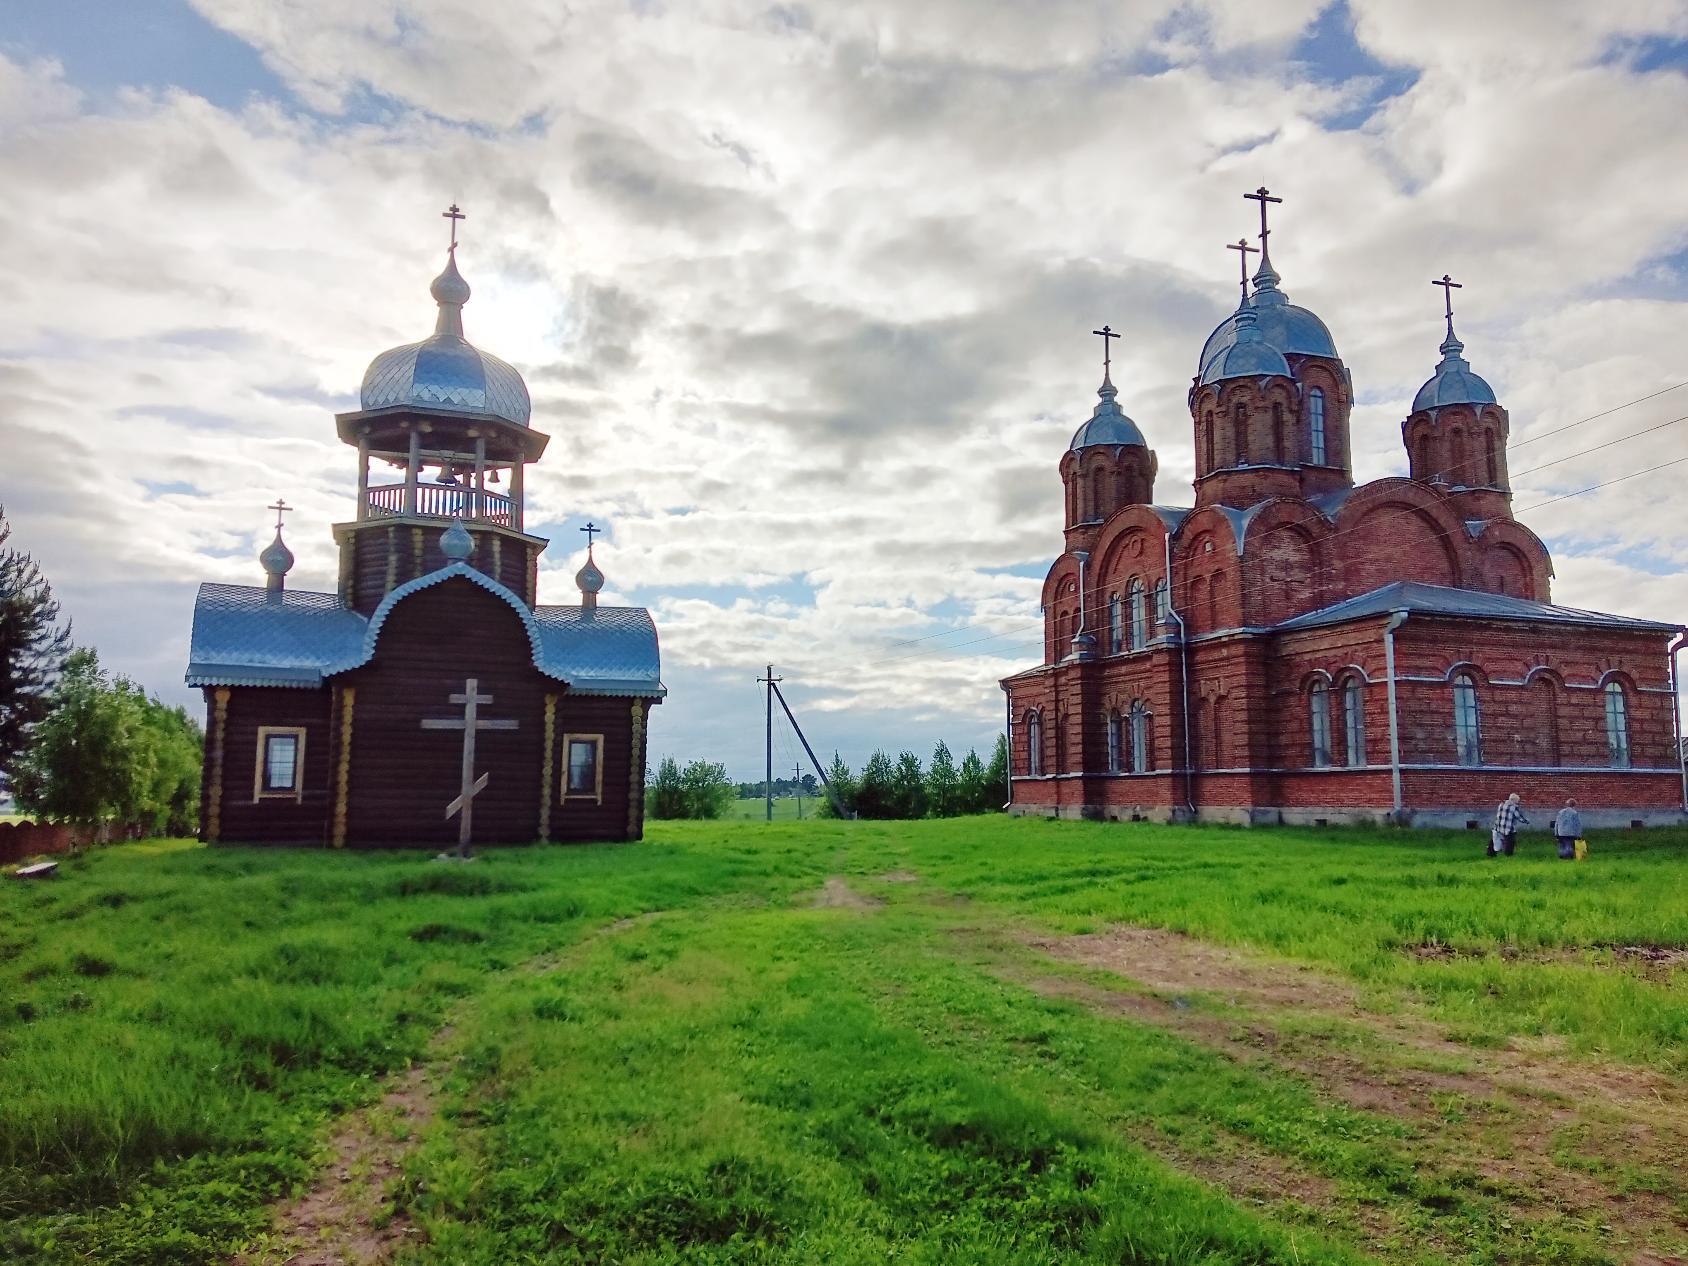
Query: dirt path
[[835, 894], [1590, 1144]]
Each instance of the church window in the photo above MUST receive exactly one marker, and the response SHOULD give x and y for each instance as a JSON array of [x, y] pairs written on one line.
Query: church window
[[1617, 725], [1139, 616], [1163, 601], [281, 759], [1239, 436], [1115, 735], [1468, 726], [1421, 463], [1207, 440], [1316, 425], [1116, 626], [1354, 721], [1034, 744], [1280, 448], [1491, 459], [1098, 493], [1141, 762], [1459, 475], [1318, 707], [583, 773]]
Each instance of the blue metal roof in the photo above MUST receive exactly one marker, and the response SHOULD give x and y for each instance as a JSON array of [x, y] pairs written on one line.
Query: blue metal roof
[[1108, 425], [1293, 331], [1454, 383], [1248, 355], [1410, 595], [245, 636]]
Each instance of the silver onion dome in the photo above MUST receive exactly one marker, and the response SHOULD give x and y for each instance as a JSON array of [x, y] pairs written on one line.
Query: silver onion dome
[[1108, 426], [1247, 355], [589, 578], [446, 371], [1453, 383], [276, 559], [1292, 330]]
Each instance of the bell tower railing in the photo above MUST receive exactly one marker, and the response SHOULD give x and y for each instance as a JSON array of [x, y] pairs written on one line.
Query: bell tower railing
[[444, 501]]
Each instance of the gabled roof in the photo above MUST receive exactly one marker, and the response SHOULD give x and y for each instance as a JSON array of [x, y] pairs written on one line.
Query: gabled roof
[[246, 636], [1410, 595]]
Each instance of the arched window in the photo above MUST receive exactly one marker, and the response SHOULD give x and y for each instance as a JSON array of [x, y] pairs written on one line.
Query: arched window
[[1617, 725], [1213, 582], [1318, 713], [1142, 759], [1239, 434], [1139, 615], [1034, 743], [1491, 459], [1163, 601], [1207, 455], [1116, 733], [1280, 445], [1354, 721], [1116, 626], [1316, 426], [1459, 476], [1468, 725], [1421, 464], [1098, 493]]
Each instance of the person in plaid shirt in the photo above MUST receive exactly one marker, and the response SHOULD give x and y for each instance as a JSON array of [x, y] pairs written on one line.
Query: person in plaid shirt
[[1508, 818]]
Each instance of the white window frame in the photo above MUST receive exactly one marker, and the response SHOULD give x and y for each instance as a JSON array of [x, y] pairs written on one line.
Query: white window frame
[[261, 790], [1139, 605], [1141, 720], [1354, 721], [1318, 716], [1317, 452], [1468, 721], [596, 795], [1116, 626], [1116, 736], [1617, 724], [1034, 744]]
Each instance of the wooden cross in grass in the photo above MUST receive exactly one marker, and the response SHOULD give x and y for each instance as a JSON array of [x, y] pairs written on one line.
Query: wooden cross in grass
[[470, 723]]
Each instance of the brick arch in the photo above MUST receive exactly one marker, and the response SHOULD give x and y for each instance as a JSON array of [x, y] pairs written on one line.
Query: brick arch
[[1397, 529], [1528, 561]]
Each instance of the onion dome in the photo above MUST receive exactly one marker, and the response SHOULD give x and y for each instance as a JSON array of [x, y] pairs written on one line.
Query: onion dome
[[1454, 383], [1247, 355], [1108, 426], [456, 543], [1293, 331], [590, 580], [447, 371], [276, 560]]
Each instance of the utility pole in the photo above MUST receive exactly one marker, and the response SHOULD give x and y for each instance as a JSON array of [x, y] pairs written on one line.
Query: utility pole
[[797, 777], [768, 781], [837, 804]]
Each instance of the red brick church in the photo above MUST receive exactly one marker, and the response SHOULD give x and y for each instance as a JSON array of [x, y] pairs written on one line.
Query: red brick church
[[429, 698], [1296, 648]]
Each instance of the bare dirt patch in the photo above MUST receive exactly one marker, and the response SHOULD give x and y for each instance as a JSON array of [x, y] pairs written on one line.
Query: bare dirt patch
[[348, 1218], [1655, 961], [835, 894], [899, 877]]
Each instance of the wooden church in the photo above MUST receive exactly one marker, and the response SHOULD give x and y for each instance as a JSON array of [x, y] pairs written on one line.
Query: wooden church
[[430, 700]]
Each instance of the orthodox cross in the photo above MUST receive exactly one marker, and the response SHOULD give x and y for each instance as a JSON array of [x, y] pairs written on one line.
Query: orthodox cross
[[1449, 285], [280, 507], [591, 529], [470, 723], [1108, 336], [454, 215], [1245, 250], [1262, 195]]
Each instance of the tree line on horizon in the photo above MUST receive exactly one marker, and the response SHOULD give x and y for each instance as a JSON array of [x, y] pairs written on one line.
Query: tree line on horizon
[[903, 789], [78, 744]]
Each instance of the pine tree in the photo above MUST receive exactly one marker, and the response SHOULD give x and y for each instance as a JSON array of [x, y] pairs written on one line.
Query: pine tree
[[876, 793], [843, 786], [908, 788], [943, 783], [971, 794], [33, 647]]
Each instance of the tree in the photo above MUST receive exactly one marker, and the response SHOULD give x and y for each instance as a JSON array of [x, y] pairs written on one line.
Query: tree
[[92, 760], [33, 647], [943, 783], [972, 794], [996, 777], [707, 789], [843, 786], [876, 794], [668, 792], [172, 799], [909, 787]]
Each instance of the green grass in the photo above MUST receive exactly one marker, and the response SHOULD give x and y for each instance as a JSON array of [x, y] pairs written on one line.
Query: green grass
[[785, 809], [744, 1077]]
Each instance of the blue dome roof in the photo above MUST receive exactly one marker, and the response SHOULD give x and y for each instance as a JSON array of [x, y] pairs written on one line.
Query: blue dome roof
[[446, 371], [1454, 382], [1291, 330], [1108, 426], [1247, 355]]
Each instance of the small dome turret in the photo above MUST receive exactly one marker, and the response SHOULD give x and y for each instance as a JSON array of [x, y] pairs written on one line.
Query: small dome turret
[[590, 580], [1453, 382], [1108, 423], [1247, 355], [456, 543], [277, 561]]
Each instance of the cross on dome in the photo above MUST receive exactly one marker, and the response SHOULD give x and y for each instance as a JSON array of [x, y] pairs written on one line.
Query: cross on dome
[[280, 507], [1245, 250], [591, 529], [1265, 277], [1449, 285], [454, 215], [1108, 336]]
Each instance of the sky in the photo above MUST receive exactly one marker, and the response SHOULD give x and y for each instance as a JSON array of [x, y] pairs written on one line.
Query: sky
[[803, 293]]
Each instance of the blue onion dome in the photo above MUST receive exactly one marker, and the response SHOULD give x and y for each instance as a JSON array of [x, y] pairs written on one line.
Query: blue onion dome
[[1248, 355], [589, 578], [1293, 331], [456, 543], [276, 559], [447, 371], [1454, 383], [1108, 426]]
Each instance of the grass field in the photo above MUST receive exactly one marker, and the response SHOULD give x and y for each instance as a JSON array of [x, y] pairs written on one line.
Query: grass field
[[785, 809], [978, 1040]]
